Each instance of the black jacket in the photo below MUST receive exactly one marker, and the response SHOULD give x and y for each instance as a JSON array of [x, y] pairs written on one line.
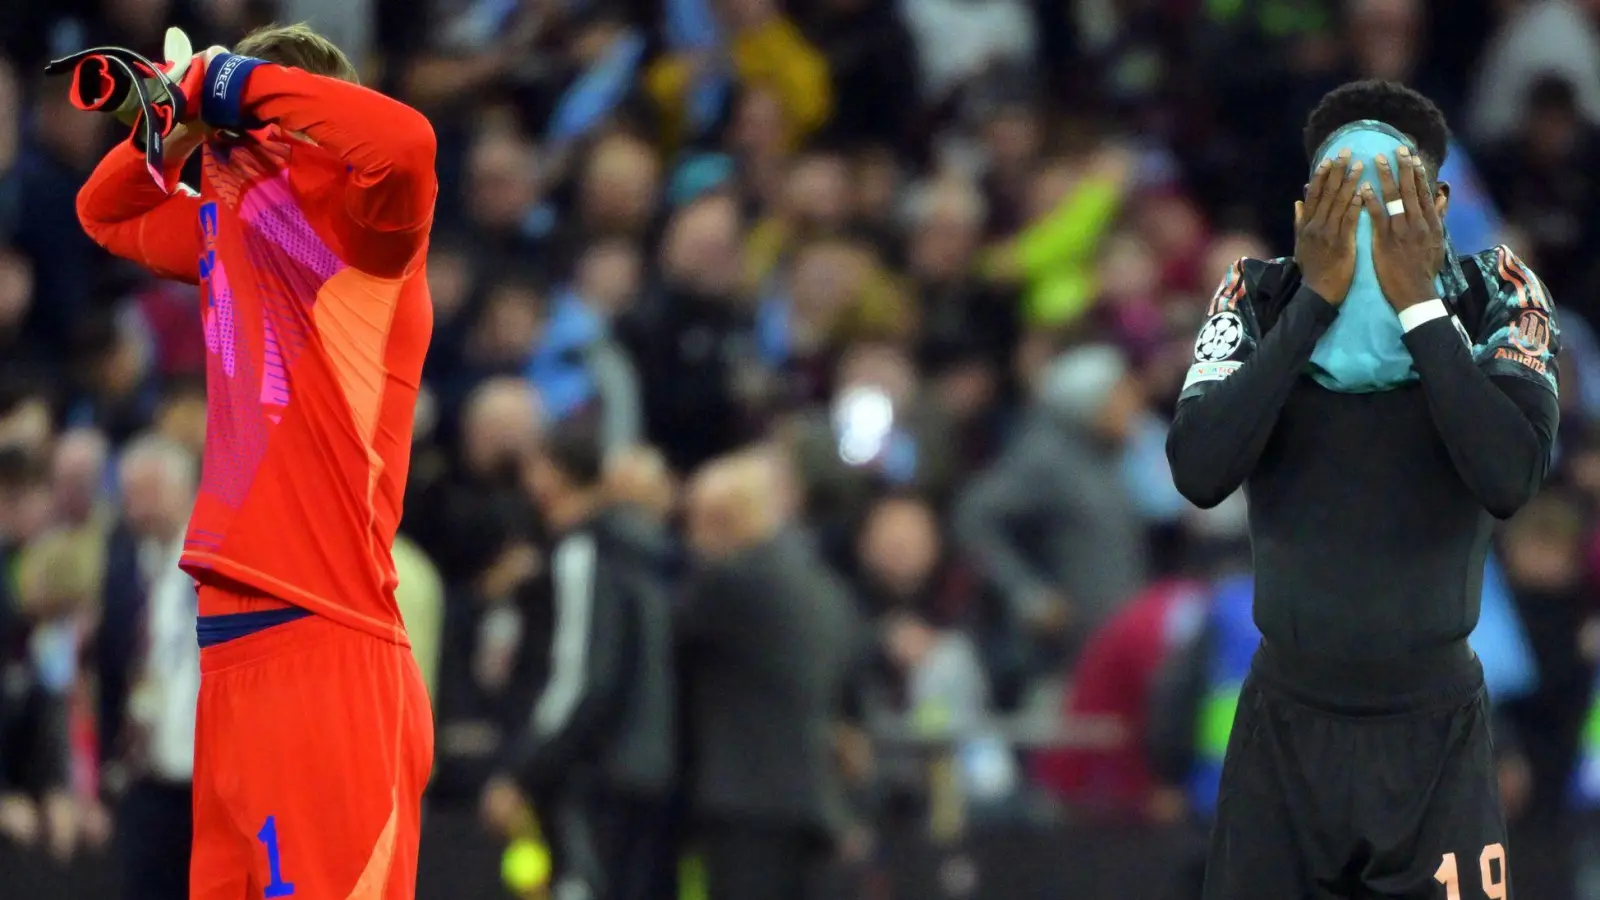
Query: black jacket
[[768, 641], [609, 703]]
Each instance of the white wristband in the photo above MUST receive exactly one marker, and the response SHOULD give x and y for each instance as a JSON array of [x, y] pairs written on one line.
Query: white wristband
[[1422, 313]]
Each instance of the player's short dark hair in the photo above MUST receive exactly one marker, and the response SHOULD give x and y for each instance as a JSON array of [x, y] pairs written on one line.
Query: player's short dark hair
[[574, 448], [1389, 102]]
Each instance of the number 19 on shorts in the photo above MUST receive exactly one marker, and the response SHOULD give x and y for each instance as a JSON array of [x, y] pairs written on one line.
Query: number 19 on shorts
[[1491, 873]]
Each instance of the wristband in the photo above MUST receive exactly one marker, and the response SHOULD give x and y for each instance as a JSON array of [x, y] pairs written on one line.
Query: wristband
[[222, 103], [1422, 313]]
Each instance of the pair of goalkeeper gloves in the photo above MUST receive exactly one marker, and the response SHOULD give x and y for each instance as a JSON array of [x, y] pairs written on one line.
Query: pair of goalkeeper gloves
[[155, 98]]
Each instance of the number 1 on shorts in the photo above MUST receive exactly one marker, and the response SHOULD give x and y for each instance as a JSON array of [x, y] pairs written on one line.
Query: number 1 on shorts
[[1491, 872], [276, 886]]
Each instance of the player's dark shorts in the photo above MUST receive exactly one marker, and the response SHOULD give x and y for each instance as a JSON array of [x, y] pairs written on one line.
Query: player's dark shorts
[[1354, 781]]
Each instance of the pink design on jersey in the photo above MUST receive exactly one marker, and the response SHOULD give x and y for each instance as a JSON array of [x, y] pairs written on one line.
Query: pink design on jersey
[[251, 386], [236, 430], [274, 377], [269, 208], [221, 335]]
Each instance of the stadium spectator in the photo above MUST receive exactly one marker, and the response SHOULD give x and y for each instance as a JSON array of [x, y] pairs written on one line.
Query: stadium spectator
[[609, 277], [766, 639], [1116, 677], [766, 54], [479, 527], [1543, 552], [880, 434], [1081, 555], [476, 518], [579, 370], [58, 577], [967, 327], [1535, 39], [147, 664], [945, 695], [504, 207], [639, 477], [872, 58], [597, 753], [814, 202], [56, 156], [32, 725], [692, 340], [902, 564]]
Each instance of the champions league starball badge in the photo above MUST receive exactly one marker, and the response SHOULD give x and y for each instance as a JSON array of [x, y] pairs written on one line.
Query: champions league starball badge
[[1219, 338]]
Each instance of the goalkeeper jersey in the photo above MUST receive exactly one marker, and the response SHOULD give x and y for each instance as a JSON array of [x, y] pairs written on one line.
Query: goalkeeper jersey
[[307, 239]]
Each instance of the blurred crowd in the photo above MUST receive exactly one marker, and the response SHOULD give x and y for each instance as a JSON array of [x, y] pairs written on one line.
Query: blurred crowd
[[943, 260]]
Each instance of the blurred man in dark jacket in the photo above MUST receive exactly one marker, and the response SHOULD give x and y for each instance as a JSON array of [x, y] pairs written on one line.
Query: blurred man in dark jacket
[[475, 522], [596, 754], [767, 638], [692, 341]]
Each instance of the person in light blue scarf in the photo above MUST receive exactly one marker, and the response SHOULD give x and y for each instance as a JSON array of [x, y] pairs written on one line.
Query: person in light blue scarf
[[1362, 350]]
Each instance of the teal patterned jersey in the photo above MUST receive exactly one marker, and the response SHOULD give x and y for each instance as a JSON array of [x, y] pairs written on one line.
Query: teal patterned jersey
[[1517, 333], [1509, 321]]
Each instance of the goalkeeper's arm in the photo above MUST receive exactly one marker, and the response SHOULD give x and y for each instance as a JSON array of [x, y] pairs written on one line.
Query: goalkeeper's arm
[[123, 210], [388, 147]]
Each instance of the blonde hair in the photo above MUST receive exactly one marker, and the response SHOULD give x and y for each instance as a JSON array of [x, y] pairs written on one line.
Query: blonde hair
[[298, 46]]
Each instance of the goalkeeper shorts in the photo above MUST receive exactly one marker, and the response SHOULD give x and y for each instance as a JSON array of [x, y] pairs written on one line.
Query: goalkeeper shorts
[[313, 743]]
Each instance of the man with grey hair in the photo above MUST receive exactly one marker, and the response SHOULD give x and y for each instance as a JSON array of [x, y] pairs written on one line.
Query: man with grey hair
[[1050, 523], [148, 664]]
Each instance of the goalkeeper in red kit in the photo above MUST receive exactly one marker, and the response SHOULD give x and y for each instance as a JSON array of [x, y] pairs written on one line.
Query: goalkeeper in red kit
[[314, 736]]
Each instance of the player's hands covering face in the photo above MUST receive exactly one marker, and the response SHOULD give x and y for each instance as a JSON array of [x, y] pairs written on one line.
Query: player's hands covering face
[[1325, 228], [1408, 247]]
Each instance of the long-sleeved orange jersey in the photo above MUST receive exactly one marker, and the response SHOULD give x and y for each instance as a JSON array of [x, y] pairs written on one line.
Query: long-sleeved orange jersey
[[308, 240]]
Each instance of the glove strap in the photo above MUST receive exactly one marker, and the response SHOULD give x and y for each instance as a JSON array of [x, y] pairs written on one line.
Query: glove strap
[[94, 88], [101, 76], [222, 101], [118, 80]]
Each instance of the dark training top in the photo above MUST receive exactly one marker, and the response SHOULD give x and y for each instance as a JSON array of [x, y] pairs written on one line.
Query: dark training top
[[1370, 514]]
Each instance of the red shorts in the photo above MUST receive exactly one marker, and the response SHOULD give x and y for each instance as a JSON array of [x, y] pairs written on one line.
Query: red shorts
[[313, 743]]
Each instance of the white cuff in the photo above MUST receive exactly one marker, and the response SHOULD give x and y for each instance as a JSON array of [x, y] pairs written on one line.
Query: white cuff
[[1422, 313]]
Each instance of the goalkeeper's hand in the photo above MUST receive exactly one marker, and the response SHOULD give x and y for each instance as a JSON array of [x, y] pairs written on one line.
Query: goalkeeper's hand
[[155, 98], [127, 85]]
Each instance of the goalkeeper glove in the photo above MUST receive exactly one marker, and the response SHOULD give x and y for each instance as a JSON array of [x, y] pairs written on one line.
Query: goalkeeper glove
[[153, 98]]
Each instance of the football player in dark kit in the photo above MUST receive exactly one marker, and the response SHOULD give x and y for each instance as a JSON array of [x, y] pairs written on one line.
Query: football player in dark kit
[[1381, 400]]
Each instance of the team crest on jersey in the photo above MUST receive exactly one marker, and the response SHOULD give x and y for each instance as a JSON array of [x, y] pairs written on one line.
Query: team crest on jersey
[[1221, 336], [1531, 332]]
